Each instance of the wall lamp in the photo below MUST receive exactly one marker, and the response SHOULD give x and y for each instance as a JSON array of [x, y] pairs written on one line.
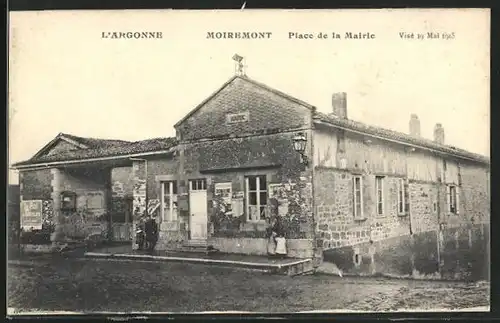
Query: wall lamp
[[299, 145]]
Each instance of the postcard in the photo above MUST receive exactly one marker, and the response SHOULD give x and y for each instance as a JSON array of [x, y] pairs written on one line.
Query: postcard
[[248, 161]]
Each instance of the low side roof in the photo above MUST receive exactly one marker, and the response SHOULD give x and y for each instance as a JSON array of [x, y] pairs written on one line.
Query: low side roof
[[105, 148]]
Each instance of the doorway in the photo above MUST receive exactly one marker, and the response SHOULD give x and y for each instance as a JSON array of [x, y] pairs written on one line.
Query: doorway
[[121, 219], [198, 210]]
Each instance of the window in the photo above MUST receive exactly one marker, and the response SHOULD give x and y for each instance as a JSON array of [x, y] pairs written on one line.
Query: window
[[68, 201], [379, 187], [452, 197], [197, 185], [403, 198], [168, 201], [256, 197], [358, 197]]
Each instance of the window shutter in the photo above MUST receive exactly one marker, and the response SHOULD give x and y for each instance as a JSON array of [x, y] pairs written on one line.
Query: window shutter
[[457, 199], [448, 199]]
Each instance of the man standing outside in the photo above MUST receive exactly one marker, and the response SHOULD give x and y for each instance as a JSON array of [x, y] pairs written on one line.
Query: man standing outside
[[151, 230]]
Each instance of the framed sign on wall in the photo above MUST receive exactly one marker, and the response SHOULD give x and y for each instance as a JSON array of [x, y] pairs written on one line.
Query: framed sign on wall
[[31, 214]]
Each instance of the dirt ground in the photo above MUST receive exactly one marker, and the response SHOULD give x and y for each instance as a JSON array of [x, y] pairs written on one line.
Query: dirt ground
[[114, 286]]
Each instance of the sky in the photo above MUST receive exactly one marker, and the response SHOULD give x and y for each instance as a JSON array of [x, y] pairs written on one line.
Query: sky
[[64, 77]]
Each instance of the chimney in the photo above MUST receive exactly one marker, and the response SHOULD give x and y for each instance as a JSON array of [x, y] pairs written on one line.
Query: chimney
[[439, 134], [414, 126], [339, 104]]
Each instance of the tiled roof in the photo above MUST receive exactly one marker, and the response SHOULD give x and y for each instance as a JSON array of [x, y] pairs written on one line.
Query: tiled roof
[[394, 135], [105, 148]]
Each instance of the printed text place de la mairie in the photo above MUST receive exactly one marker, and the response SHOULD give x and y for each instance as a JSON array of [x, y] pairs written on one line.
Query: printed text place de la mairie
[[289, 35]]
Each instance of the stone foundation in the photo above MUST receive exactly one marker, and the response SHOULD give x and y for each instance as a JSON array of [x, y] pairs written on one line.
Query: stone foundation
[[297, 248], [171, 235], [455, 253]]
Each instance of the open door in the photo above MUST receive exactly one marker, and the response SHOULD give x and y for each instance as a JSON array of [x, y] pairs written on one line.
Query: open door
[[121, 220]]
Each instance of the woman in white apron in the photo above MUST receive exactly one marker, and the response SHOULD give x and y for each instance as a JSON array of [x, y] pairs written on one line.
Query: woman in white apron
[[280, 238], [271, 234]]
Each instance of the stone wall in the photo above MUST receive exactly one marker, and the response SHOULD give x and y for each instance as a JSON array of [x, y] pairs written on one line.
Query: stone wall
[[475, 196], [423, 244], [293, 201], [254, 152], [294, 195], [229, 230], [229, 161], [452, 253], [264, 109], [260, 143], [158, 167], [426, 238], [336, 224], [92, 189], [423, 206]]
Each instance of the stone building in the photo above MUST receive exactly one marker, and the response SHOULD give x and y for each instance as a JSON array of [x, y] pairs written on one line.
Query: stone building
[[366, 198]]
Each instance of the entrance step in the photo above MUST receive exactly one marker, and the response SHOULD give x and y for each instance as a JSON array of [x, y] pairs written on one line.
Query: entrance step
[[196, 246], [196, 243], [289, 267]]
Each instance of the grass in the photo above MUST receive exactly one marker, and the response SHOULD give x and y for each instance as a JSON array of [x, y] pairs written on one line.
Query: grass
[[122, 286]]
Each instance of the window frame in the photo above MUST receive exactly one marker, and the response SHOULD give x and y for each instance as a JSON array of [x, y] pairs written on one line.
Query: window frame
[[453, 199], [173, 191], [258, 191], [379, 181], [402, 192], [197, 184], [357, 216]]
